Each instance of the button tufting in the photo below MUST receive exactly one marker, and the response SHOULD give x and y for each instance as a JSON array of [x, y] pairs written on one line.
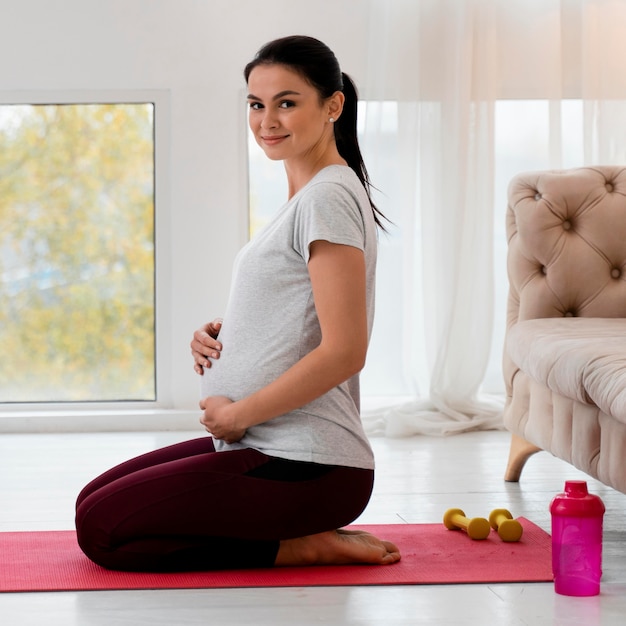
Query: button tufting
[[569, 314], [616, 272], [544, 269], [537, 196], [609, 186], [567, 225]]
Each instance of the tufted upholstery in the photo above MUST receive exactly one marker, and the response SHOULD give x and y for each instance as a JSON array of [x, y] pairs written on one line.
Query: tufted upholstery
[[564, 363]]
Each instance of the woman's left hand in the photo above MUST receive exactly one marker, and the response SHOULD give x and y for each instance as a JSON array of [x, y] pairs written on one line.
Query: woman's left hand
[[219, 419]]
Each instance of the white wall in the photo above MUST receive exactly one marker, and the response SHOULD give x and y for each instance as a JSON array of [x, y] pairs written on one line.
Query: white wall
[[195, 51]]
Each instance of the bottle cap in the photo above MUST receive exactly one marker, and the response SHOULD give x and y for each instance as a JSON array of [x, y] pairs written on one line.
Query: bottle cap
[[576, 501]]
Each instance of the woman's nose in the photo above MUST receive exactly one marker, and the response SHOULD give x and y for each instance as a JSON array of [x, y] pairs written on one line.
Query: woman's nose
[[269, 120]]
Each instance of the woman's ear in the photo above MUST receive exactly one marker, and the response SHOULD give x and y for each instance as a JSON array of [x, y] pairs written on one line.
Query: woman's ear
[[335, 105]]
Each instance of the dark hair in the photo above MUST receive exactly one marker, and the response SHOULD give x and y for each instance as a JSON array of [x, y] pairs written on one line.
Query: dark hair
[[317, 64]]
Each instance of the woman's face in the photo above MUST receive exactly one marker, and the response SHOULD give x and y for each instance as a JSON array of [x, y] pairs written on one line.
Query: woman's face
[[286, 115]]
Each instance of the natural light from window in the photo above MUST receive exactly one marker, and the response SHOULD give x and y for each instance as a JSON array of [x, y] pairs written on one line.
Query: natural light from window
[[522, 143], [77, 284]]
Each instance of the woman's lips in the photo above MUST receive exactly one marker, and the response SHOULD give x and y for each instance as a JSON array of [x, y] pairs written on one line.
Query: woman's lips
[[272, 140]]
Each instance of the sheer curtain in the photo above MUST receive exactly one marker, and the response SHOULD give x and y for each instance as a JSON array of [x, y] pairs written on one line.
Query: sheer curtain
[[445, 64], [603, 80]]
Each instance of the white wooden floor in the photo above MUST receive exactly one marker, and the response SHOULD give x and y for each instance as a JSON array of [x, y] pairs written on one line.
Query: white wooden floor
[[417, 480]]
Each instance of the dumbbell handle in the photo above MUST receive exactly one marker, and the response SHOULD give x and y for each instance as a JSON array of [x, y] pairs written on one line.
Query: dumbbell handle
[[476, 527]]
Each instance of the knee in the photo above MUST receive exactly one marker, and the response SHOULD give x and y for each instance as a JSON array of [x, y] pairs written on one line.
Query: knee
[[90, 539]]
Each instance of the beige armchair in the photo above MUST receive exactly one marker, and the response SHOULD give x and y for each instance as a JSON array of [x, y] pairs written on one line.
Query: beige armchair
[[565, 347]]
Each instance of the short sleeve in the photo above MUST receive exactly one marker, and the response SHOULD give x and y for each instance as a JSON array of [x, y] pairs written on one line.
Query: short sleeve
[[328, 211]]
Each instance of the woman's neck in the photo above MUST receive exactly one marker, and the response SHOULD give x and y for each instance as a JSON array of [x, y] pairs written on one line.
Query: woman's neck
[[300, 174]]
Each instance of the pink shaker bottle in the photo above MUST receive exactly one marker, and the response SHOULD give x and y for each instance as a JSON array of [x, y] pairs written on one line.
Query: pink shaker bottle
[[577, 540]]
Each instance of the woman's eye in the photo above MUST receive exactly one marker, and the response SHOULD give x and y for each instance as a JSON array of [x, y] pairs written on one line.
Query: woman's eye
[[256, 106], [286, 104]]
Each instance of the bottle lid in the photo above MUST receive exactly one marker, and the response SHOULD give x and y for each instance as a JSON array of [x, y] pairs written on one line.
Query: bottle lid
[[576, 501], [576, 488]]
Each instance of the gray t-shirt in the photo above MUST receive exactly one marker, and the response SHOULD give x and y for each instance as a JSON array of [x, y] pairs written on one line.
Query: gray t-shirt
[[270, 322]]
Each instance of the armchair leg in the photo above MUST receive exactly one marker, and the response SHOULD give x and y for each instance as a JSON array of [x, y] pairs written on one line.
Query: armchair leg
[[520, 451]]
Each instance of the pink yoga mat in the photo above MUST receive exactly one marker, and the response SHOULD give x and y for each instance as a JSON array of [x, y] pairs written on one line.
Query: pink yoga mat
[[431, 554]]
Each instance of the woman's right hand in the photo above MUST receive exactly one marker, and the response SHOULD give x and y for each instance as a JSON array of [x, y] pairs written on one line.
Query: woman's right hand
[[205, 346]]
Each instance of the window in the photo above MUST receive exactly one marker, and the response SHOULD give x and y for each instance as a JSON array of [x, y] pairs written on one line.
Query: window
[[77, 252], [525, 139]]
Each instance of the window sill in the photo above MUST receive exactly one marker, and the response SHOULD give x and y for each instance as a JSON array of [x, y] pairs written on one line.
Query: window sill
[[107, 420], [72, 420]]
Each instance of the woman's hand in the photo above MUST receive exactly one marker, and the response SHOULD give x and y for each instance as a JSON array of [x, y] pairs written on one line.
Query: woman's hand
[[219, 419], [205, 346]]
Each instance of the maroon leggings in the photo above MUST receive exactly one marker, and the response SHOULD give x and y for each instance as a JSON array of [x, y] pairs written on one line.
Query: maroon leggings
[[187, 507]]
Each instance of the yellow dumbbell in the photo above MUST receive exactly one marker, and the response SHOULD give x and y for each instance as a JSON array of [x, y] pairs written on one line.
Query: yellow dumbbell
[[508, 528], [476, 528]]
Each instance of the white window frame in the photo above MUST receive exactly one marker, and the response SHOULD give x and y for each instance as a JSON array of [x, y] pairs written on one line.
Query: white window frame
[[119, 415]]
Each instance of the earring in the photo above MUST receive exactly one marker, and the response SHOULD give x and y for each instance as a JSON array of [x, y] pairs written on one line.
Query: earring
[[331, 120]]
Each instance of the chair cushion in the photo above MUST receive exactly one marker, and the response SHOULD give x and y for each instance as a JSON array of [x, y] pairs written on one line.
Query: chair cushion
[[580, 358]]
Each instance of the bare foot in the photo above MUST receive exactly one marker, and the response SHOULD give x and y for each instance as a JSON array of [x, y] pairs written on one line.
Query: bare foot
[[337, 547]]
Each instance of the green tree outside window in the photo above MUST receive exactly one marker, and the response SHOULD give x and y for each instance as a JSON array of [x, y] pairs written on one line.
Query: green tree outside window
[[77, 319]]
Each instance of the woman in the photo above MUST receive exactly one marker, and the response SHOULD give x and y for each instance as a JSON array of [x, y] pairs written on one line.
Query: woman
[[287, 464]]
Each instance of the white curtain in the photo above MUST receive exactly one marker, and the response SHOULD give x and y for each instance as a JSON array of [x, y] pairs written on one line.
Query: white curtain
[[445, 63], [603, 80]]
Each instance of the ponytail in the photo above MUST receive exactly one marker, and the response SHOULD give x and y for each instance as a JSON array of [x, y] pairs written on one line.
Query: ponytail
[[346, 137]]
